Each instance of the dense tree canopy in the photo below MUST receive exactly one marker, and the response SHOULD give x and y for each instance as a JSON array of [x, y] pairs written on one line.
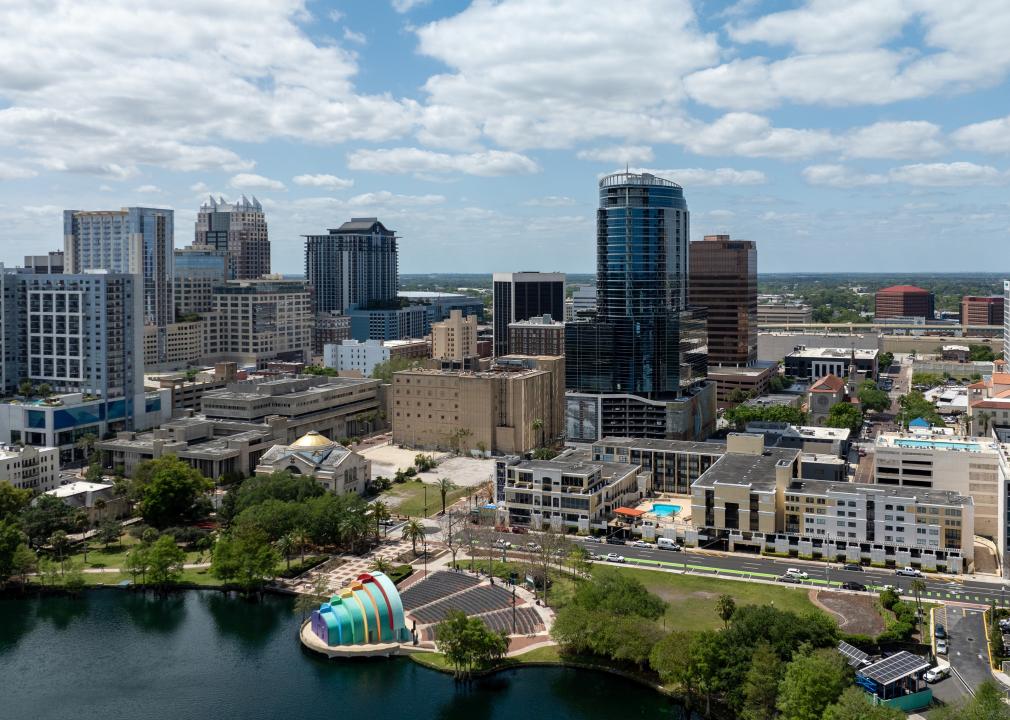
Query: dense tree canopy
[[280, 485], [872, 397], [845, 415], [245, 556], [743, 414], [915, 405], [170, 492], [468, 644], [811, 683]]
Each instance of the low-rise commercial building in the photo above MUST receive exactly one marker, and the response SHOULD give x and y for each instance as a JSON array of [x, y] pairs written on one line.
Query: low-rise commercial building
[[355, 356], [805, 438], [335, 467], [965, 465], [181, 344], [784, 313], [814, 363], [571, 492], [775, 345], [757, 499], [29, 467], [97, 500], [514, 407], [333, 406], [389, 323], [188, 388], [673, 465], [734, 383]]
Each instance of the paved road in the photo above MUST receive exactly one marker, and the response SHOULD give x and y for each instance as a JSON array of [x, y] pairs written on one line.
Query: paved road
[[967, 645], [938, 589]]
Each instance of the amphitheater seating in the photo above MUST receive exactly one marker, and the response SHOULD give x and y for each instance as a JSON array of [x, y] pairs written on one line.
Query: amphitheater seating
[[475, 601], [436, 586]]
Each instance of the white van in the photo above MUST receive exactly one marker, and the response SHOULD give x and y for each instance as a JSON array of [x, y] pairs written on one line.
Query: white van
[[666, 544]]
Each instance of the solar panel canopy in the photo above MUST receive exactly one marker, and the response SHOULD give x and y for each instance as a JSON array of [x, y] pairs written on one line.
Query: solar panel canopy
[[894, 668]]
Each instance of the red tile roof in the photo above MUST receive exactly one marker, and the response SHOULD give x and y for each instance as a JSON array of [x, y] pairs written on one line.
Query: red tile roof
[[829, 383]]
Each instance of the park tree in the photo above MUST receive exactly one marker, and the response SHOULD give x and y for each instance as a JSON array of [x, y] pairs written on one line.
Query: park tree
[[740, 415], [13, 500], [445, 486], [872, 398], [384, 370], [468, 644], [915, 405], [11, 538], [885, 360], [675, 666], [60, 544], [109, 531], [23, 563], [137, 563], [812, 682], [246, 557], [853, 705], [164, 562], [414, 531], [47, 515], [452, 525], [171, 492], [761, 686], [380, 514], [845, 415], [276, 518], [307, 602], [981, 353], [725, 606]]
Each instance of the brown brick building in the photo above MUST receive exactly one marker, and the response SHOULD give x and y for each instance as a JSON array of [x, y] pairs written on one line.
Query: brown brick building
[[723, 278], [904, 301]]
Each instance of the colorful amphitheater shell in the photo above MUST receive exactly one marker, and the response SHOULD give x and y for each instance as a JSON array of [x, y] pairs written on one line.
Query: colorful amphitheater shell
[[366, 612]]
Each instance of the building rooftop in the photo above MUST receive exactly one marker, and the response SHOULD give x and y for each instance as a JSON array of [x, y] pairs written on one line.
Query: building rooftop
[[755, 471], [76, 488], [830, 383], [713, 448], [833, 353], [908, 289], [932, 441], [925, 496]]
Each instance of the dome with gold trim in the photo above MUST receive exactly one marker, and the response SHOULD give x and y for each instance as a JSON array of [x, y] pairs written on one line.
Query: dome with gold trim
[[311, 440]]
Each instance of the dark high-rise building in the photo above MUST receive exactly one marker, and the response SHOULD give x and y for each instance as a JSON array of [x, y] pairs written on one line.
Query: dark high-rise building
[[353, 266], [521, 295], [723, 279], [239, 229], [902, 301], [638, 369]]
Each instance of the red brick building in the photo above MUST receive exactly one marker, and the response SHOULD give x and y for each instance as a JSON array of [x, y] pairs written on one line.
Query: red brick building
[[982, 310], [904, 301]]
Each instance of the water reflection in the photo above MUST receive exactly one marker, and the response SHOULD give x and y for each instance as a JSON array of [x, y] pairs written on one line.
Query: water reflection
[[155, 612], [62, 610], [252, 621], [17, 619]]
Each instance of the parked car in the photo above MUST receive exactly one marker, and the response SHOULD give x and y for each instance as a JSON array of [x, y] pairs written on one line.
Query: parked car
[[504, 544], [616, 541], [888, 587], [532, 547], [940, 632], [1004, 624], [936, 674], [908, 571], [788, 578], [853, 586], [854, 567], [641, 544], [592, 539], [518, 530], [941, 647], [798, 574], [614, 557]]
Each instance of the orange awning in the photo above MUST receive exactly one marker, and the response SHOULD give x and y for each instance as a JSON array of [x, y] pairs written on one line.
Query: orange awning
[[629, 512]]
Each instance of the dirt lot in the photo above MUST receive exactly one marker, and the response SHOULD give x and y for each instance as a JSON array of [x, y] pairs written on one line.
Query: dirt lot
[[387, 459], [856, 614]]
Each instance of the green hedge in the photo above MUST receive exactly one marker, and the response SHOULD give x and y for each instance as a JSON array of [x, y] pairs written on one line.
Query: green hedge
[[400, 573]]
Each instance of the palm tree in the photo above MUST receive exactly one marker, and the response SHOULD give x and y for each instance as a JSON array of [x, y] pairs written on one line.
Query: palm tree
[[445, 486], [382, 564], [86, 444], [25, 388], [414, 531], [285, 544], [538, 428], [984, 418], [300, 536], [380, 511]]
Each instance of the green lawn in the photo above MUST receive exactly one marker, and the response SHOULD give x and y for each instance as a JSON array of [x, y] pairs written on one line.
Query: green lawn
[[692, 598], [409, 498], [115, 556]]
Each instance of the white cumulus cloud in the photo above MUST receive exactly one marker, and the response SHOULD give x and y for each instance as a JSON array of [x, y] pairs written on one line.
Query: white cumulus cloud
[[688, 177], [330, 182], [617, 154], [252, 181], [415, 160]]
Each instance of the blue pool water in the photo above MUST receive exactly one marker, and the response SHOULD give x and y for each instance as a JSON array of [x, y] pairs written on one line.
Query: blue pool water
[[665, 510], [937, 444]]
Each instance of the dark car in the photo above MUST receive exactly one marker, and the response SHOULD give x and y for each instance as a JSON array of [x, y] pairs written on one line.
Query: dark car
[[616, 541], [854, 567], [788, 579], [940, 632], [853, 586]]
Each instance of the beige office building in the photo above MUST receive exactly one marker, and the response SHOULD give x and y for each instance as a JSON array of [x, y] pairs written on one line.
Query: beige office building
[[185, 343], [455, 338], [514, 407], [258, 320]]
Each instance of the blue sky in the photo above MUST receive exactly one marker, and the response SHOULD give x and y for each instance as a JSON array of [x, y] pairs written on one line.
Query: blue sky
[[838, 134]]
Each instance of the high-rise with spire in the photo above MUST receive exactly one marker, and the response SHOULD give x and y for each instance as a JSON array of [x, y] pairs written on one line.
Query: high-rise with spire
[[240, 230], [639, 368]]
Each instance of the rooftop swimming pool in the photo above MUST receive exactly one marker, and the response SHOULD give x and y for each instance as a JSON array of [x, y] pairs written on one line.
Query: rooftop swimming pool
[[939, 444], [665, 509]]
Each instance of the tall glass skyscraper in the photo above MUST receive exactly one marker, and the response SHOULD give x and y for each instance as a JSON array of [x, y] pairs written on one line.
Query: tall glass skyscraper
[[645, 345]]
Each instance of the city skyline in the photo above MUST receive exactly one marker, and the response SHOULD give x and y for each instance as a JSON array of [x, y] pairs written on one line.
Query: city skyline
[[877, 127]]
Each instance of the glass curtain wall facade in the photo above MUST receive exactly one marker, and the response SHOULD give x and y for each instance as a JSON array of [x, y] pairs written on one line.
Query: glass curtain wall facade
[[646, 341]]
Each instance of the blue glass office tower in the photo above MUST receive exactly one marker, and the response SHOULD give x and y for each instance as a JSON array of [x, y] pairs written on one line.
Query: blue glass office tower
[[645, 354]]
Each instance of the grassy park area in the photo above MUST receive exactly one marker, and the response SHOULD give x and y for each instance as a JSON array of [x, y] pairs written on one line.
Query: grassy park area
[[409, 498]]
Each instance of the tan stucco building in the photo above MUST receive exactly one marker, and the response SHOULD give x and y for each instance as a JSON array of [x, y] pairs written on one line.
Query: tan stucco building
[[515, 406]]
